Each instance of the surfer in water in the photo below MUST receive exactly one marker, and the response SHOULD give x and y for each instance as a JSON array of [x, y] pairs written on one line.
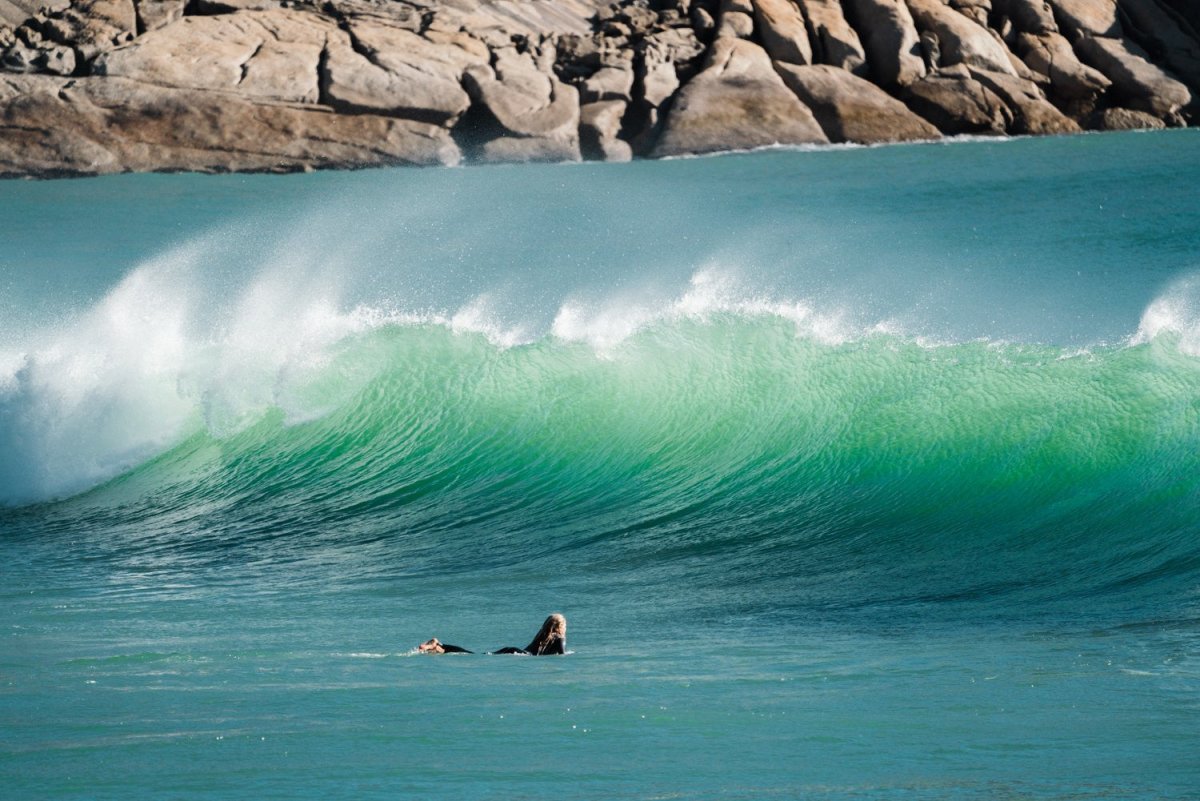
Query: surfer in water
[[550, 639], [435, 646]]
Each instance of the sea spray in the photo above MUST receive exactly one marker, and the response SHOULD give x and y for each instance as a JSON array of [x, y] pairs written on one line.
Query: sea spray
[[157, 359], [1174, 316]]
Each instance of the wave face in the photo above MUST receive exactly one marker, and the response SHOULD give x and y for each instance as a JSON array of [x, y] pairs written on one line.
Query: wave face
[[720, 429], [750, 436]]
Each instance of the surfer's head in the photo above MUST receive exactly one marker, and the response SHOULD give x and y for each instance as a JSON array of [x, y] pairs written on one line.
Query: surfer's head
[[552, 637], [431, 646]]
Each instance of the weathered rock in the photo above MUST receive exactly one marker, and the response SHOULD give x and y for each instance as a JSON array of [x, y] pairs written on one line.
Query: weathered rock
[[27, 51], [834, 42], [87, 126], [15, 12], [154, 14], [521, 149], [957, 103], [599, 125], [659, 81], [93, 26], [1166, 34], [637, 19], [474, 51], [664, 56], [782, 30], [1087, 18], [298, 56], [1021, 68], [400, 14], [736, 19], [850, 109], [270, 55], [530, 18], [975, 10], [737, 101], [667, 59], [608, 83], [578, 56], [406, 71], [379, 68], [1031, 112], [617, 30], [1032, 16], [527, 102], [1137, 83], [1072, 83], [736, 24], [673, 18], [960, 40], [890, 39], [1124, 119], [230, 6], [931, 51], [640, 19], [523, 98]]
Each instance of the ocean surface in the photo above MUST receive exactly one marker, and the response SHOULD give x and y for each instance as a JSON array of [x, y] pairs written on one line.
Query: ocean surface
[[859, 473]]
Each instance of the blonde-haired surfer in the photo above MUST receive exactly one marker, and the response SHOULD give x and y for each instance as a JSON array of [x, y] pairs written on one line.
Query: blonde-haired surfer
[[435, 646], [550, 639]]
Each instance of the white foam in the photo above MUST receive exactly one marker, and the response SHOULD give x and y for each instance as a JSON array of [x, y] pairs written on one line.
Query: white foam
[[479, 317], [1175, 312], [173, 349], [711, 291], [363, 655], [99, 394], [160, 356]]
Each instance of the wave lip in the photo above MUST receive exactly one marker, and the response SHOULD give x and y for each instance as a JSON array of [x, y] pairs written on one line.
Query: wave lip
[[711, 291]]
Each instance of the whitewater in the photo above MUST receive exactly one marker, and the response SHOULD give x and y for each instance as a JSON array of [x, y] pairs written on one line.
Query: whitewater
[[858, 473]]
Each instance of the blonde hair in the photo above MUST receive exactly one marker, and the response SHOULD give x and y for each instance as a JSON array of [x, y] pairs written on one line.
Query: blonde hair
[[555, 626]]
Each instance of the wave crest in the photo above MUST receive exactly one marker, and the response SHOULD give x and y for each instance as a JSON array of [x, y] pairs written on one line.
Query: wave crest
[[1176, 314], [165, 357]]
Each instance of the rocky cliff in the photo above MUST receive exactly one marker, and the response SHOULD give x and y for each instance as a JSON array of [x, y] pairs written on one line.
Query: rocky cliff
[[97, 86]]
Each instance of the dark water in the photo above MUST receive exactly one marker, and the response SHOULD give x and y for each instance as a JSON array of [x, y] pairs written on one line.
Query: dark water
[[857, 473]]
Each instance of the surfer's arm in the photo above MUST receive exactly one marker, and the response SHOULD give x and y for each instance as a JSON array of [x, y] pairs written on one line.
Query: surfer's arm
[[435, 646]]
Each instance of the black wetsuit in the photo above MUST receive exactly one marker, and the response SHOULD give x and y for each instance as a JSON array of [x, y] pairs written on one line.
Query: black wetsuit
[[454, 649], [555, 645]]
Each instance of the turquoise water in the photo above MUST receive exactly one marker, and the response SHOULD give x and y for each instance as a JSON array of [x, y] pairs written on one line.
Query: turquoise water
[[858, 473]]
